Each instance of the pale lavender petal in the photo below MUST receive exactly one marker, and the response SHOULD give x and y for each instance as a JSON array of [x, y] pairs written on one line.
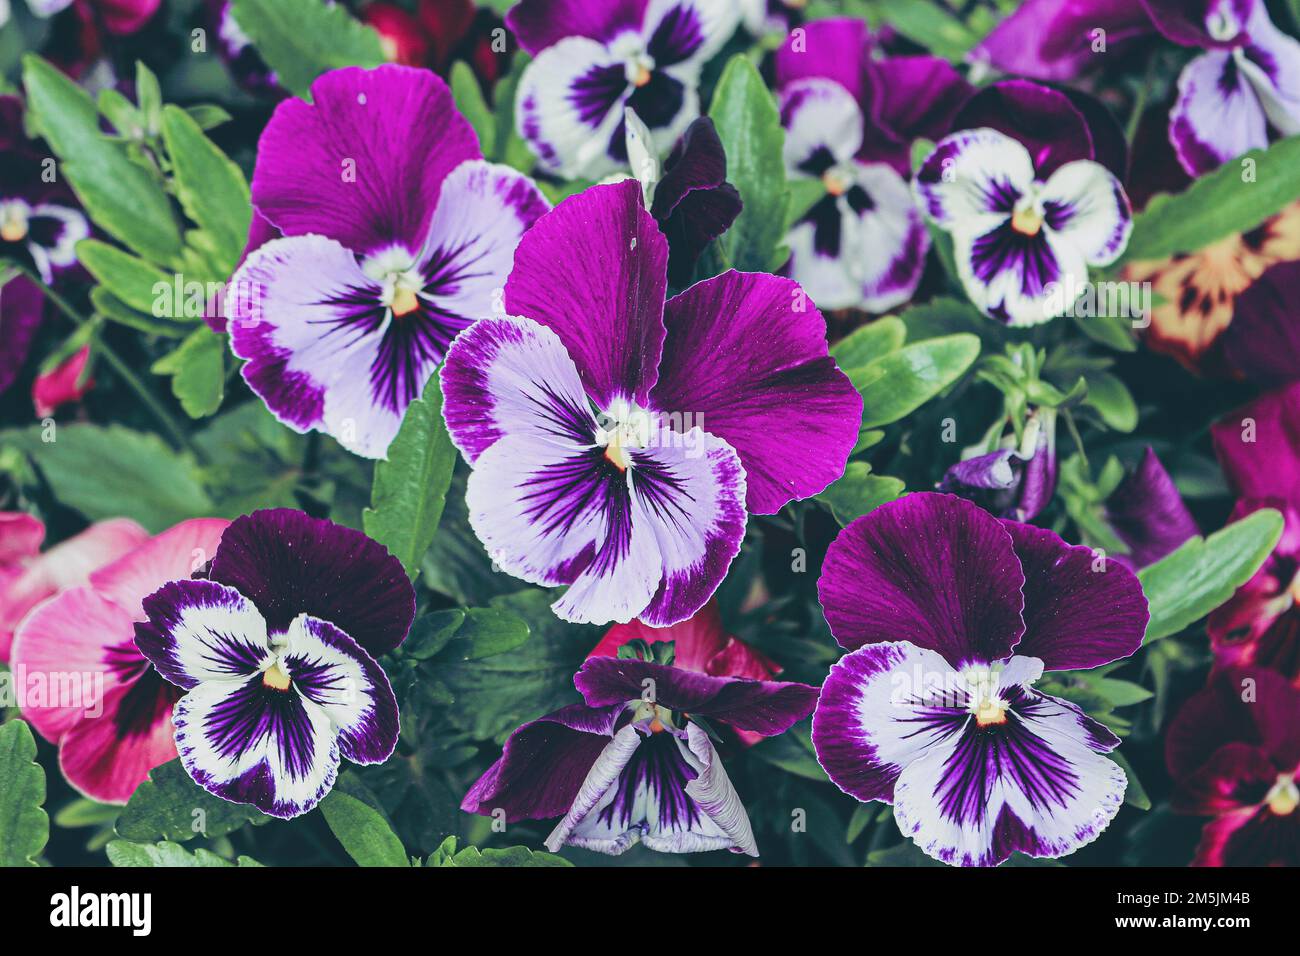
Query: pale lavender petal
[[202, 631], [823, 126], [1218, 115], [596, 792]]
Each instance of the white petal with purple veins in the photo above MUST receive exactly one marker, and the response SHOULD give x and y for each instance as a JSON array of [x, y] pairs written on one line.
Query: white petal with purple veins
[[973, 179], [596, 793], [1085, 205], [1218, 114], [821, 118]]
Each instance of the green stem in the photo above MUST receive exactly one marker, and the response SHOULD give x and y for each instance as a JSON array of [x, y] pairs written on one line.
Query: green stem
[[1140, 103], [178, 435]]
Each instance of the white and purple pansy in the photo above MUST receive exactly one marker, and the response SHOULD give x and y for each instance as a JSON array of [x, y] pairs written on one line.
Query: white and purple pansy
[[275, 650], [951, 616], [1244, 87], [1029, 213], [616, 440], [397, 236], [592, 60], [630, 766], [849, 124]]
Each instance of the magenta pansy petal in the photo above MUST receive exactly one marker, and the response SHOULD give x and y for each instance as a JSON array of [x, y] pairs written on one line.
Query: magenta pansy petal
[[608, 314], [1259, 446], [1202, 23], [931, 569], [507, 376], [544, 764], [909, 98], [1081, 610], [288, 563], [744, 362], [762, 706], [1148, 513], [881, 707], [364, 162], [833, 49], [541, 23], [1053, 39], [177, 552]]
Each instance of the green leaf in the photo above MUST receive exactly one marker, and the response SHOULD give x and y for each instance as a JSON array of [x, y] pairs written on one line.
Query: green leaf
[[24, 825], [212, 189], [198, 370], [486, 632], [858, 492], [469, 100], [895, 385], [1190, 583], [410, 488], [301, 39], [129, 278], [495, 695], [114, 309], [127, 853], [1218, 204], [1112, 401], [123, 198], [363, 831], [870, 342], [930, 26], [510, 146], [447, 855], [170, 806], [1136, 794], [111, 471], [749, 126]]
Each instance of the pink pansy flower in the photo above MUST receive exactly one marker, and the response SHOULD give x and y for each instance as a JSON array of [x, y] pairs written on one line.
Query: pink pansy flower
[[67, 382], [28, 577], [85, 686]]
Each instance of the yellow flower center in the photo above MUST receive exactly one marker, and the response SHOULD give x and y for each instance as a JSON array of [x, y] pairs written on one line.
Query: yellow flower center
[[1284, 797], [836, 182], [404, 301], [275, 677], [990, 713], [1027, 222], [13, 223]]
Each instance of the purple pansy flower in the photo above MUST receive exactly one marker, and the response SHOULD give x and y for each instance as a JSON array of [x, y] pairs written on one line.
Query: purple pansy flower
[[849, 123], [631, 766], [275, 650], [1013, 482], [399, 236], [951, 616], [617, 441], [1262, 343], [1028, 215], [688, 194], [40, 226], [1246, 83], [592, 60], [1056, 40]]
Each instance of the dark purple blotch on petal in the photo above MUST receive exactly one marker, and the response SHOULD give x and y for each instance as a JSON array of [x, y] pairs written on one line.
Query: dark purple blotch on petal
[[908, 98], [288, 563], [1148, 513]]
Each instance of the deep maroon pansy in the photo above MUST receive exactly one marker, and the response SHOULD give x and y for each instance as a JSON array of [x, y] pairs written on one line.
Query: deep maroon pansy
[[850, 122], [397, 236], [275, 652], [633, 764], [700, 644], [617, 440], [1262, 343], [950, 617], [590, 61], [1234, 753]]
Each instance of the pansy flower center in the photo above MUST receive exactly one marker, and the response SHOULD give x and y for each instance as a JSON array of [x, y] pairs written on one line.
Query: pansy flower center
[[639, 68], [1222, 24], [1028, 218], [1284, 797], [275, 676], [837, 180], [653, 717], [624, 427], [13, 221], [984, 699]]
